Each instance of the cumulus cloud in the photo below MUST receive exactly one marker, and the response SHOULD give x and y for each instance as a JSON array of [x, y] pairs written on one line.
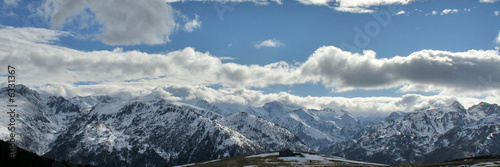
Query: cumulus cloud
[[126, 22], [186, 74], [471, 73], [271, 43], [496, 13], [193, 24], [422, 70], [449, 11], [401, 12]]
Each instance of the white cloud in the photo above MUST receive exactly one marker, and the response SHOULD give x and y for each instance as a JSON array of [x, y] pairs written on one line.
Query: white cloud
[[432, 13], [316, 2], [271, 43], [353, 9], [353, 6], [471, 73], [186, 74], [401, 12], [498, 38], [467, 9], [13, 3], [258, 2], [193, 24], [30, 35], [226, 58], [496, 13], [124, 22], [488, 1], [449, 11], [426, 70], [278, 1]]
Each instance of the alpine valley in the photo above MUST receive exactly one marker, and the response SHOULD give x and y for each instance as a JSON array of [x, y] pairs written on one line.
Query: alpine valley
[[152, 131]]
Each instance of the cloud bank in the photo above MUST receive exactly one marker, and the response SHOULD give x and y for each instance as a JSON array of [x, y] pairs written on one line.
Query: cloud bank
[[188, 74], [425, 70]]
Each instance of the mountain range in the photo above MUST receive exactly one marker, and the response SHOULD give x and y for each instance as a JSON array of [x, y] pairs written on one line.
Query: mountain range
[[152, 131]]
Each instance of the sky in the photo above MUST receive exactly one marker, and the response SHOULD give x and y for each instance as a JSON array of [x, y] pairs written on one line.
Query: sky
[[365, 56]]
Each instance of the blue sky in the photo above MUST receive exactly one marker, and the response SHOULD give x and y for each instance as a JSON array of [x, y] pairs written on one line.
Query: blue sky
[[287, 31]]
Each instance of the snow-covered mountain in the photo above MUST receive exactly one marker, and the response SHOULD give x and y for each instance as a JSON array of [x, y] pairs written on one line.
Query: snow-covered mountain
[[316, 128], [105, 131], [126, 133], [431, 135], [151, 131], [39, 120]]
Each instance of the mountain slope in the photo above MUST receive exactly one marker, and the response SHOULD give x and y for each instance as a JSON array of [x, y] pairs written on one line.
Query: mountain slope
[[316, 128], [431, 135], [149, 131]]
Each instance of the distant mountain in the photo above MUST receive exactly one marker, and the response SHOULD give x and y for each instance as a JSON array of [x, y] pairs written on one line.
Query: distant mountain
[[316, 128], [430, 135]]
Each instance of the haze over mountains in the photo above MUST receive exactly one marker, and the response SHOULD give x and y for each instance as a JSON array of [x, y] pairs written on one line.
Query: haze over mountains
[[151, 131]]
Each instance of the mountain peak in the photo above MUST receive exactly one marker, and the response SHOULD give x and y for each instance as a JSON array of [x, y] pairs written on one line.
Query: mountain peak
[[273, 106], [395, 115], [23, 91], [456, 105], [202, 102], [487, 108]]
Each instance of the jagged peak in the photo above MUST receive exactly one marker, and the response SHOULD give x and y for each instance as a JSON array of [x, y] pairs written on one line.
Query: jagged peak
[[276, 105], [202, 102], [240, 115], [485, 107], [395, 115], [346, 115], [486, 104], [456, 105], [273, 104], [23, 90]]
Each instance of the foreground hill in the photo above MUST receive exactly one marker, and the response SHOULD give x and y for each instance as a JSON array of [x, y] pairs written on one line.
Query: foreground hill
[[274, 159], [315, 159]]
